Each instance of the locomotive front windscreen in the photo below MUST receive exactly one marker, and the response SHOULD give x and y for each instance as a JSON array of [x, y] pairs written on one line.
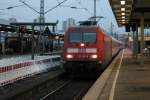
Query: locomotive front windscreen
[[82, 37]]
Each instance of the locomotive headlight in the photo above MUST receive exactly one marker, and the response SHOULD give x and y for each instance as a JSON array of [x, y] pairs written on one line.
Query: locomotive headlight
[[82, 44], [69, 56], [94, 56]]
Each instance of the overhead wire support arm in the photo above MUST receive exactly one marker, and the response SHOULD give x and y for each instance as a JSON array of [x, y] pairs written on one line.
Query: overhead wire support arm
[[29, 6], [55, 6], [86, 9], [73, 7]]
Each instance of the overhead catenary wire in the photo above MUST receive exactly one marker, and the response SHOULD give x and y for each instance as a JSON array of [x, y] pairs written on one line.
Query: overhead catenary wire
[[11, 7], [29, 6], [8, 8], [74, 7], [60, 3], [69, 6]]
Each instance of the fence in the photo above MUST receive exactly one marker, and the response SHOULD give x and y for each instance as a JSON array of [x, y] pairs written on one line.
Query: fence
[[12, 72]]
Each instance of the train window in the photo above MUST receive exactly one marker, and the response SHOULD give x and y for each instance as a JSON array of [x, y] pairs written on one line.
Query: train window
[[82, 37], [89, 37], [75, 37]]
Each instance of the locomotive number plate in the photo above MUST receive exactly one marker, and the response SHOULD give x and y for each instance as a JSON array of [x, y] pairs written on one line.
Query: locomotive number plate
[[82, 56]]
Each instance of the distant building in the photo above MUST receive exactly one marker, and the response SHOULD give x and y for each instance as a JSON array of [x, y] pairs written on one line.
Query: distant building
[[12, 20], [4, 21], [69, 22], [37, 20], [64, 26], [7, 22]]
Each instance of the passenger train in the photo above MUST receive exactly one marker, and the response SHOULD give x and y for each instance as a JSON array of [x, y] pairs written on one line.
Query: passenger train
[[88, 48]]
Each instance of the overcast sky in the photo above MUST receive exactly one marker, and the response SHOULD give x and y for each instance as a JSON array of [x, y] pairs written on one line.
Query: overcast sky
[[23, 13]]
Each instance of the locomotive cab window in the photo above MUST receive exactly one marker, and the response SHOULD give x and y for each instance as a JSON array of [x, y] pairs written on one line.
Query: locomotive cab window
[[82, 37], [75, 37], [89, 37]]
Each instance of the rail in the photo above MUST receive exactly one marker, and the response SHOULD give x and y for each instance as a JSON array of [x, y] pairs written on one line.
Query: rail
[[54, 91]]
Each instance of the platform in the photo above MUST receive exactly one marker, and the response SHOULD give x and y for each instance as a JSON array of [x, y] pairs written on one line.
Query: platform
[[124, 79]]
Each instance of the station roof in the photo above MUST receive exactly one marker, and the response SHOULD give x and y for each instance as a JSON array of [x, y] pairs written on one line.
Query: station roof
[[129, 11]]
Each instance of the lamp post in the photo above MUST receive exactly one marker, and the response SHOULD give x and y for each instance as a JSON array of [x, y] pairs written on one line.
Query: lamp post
[[32, 56], [95, 10]]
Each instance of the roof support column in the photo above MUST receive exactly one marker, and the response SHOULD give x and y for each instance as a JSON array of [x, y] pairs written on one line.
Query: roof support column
[[142, 39], [136, 41], [134, 46], [0, 45]]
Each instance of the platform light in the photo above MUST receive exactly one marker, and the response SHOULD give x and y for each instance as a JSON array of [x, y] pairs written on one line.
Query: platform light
[[123, 17], [122, 14], [123, 2], [123, 20], [57, 37], [123, 9]]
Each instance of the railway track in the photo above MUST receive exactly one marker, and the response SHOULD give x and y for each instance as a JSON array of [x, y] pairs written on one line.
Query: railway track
[[36, 91], [70, 90], [59, 88], [55, 90]]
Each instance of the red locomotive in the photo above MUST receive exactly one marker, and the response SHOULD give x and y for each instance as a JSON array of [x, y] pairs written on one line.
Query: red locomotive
[[88, 48]]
